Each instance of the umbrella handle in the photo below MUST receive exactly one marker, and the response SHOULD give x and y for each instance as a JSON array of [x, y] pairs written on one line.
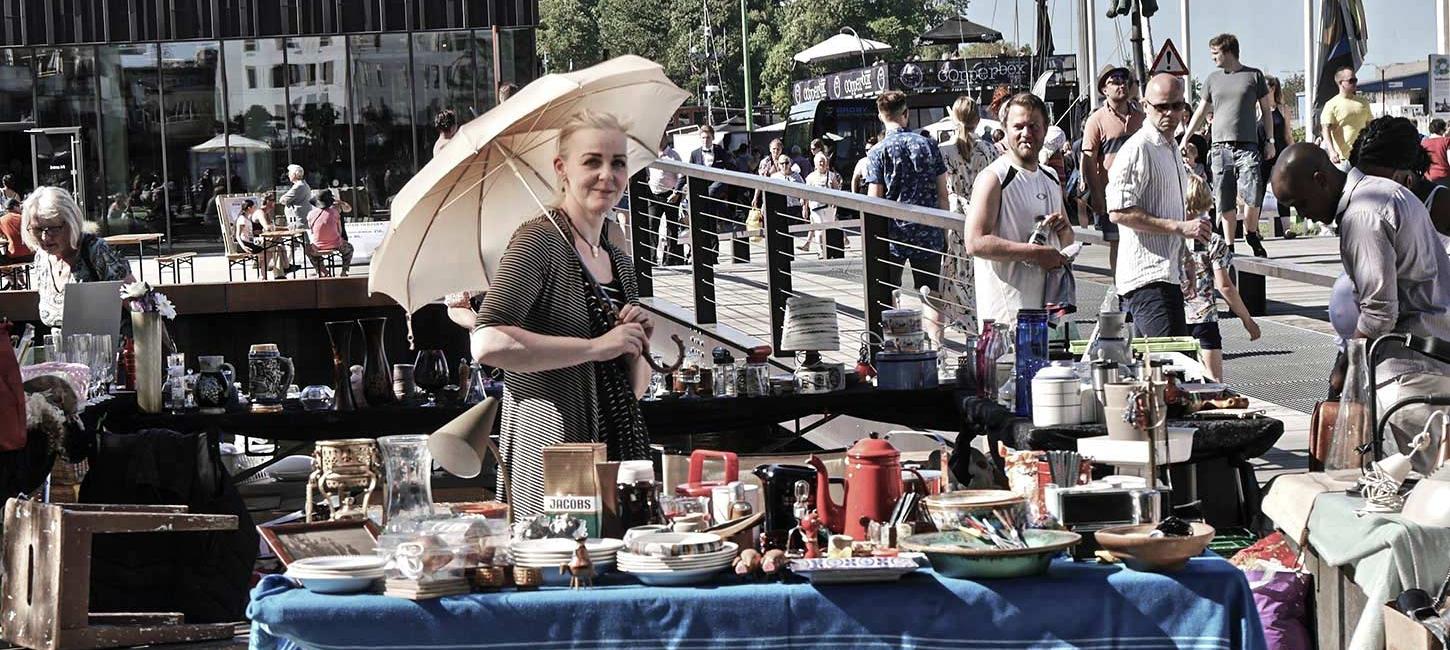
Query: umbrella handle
[[663, 369]]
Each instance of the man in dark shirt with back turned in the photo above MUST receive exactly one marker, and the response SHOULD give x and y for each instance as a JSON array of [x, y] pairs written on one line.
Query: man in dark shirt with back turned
[[908, 167]]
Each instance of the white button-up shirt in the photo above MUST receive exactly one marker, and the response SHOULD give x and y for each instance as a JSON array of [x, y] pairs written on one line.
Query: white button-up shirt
[[661, 181], [1148, 174]]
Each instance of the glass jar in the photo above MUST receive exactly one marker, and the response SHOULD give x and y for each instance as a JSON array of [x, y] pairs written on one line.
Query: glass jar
[[638, 495], [1031, 355], [408, 470], [724, 372]]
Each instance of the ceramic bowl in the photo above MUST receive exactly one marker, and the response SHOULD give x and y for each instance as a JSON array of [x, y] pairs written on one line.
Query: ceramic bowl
[[956, 555], [1135, 548], [676, 544], [949, 510], [337, 585]]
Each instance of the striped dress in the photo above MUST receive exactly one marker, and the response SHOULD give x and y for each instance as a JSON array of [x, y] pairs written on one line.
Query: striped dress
[[540, 287]]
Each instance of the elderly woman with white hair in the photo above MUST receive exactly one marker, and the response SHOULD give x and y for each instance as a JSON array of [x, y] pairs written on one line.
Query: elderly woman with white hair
[[51, 225]]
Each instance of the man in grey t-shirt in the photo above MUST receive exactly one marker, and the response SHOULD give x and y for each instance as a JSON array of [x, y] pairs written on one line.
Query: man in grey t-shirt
[[1238, 99]]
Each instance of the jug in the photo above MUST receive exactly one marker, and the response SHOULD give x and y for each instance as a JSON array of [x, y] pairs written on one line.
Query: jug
[[268, 376], [214, 389], [778, 483], [1113, 341], [408, 470], [873, 486]]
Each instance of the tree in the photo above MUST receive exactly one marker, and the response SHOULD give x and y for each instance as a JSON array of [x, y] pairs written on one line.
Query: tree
[[569, 34], [639, 27]]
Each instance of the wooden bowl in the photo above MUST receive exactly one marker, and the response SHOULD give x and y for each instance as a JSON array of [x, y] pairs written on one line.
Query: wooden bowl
[[1135, 548]]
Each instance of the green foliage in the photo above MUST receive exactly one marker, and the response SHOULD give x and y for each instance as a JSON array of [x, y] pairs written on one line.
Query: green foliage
[[569, 34]]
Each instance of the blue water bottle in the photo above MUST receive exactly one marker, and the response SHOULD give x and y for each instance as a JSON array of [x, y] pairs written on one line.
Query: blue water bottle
[[1031, 355]]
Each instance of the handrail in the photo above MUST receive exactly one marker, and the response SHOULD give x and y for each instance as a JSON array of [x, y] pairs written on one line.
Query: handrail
[[839, 198]]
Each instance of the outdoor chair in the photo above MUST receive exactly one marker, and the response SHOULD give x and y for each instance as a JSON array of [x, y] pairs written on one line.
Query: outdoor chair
[[236, 258], [331, 260], [175, 262], [15, 276]]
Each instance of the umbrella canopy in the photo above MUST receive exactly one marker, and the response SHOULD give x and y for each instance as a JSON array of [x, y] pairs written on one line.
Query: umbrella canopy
[[454, 218], [838, 47], [960, 30], [220, 143]]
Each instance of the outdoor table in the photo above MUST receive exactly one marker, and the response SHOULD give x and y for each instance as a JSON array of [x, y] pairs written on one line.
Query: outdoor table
[[139, 240], [1234, 442], [1206, 605], [289, 238]]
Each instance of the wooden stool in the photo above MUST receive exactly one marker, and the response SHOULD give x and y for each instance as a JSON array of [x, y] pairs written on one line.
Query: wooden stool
[[15, 276], [175, 262], [47, 560]]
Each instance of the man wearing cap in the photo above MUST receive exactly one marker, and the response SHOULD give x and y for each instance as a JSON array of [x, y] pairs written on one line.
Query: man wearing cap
[[1102, 135]]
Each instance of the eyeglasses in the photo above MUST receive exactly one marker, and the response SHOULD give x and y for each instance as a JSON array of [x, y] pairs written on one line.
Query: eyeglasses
[[1117, 79], [42, 231], [1351, 80], [1169, 107]]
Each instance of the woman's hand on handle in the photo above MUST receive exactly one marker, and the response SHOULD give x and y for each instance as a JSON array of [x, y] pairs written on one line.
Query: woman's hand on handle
[[633, 313], [625, 340]]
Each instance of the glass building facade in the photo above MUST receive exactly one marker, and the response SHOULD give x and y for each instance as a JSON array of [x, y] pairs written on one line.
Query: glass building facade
[[153, 107]]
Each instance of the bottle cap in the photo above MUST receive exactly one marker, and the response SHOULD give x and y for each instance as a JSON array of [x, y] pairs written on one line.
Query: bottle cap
[[722, 356]]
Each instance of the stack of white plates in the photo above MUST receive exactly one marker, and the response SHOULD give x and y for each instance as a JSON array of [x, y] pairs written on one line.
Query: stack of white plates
[[337, 574], [548, 555], [681, 570]]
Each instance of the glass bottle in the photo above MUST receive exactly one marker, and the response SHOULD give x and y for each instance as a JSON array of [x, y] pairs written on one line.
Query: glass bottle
[[724, 372], [990, 375], [408, 469], [638, 494], [984, 373], [1352, 427]]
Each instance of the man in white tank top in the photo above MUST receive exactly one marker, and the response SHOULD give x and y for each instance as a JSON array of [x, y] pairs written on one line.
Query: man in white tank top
[[1007, 198]]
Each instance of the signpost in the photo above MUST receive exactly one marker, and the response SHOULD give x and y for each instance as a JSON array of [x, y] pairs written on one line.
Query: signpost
[[1439, 86], [1169, 60]]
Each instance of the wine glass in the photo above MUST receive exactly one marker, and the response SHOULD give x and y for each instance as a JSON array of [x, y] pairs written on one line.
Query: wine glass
[[430, 373]]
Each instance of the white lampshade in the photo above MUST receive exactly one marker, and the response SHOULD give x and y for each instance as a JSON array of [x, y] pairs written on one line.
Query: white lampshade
[[1397, 467], [810, 325]]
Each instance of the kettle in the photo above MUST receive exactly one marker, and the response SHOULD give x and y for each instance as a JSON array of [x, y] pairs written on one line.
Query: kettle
[[873, 486]]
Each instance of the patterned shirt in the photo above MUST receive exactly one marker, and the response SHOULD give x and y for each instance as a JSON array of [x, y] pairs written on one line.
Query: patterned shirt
[[96, 262], [908, 165], [962, 169], [1200, 303]]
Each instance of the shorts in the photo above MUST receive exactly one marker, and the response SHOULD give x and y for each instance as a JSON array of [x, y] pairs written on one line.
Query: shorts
[[924, 272], [1106, 227], [1208, 335], [1157, 309], [1236, 167]]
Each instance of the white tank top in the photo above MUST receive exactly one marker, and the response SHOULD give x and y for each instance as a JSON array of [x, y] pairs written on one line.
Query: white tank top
[[1005, 287]]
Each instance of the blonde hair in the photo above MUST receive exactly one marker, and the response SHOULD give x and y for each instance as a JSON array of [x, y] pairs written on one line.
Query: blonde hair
[[964, 111], [583, 120], [49, 202], [1196, 197]]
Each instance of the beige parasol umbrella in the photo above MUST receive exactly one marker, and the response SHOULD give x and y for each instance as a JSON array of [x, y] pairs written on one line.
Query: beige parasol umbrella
[[452, 221]]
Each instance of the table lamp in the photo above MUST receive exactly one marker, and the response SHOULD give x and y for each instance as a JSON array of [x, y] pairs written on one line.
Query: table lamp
[[810, 327], [461, 445]]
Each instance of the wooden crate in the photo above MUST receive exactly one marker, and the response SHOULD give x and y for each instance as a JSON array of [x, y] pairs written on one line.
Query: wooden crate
[[47, 561]]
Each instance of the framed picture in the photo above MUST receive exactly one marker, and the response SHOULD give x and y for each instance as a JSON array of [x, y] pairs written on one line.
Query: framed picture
[[292, 542]]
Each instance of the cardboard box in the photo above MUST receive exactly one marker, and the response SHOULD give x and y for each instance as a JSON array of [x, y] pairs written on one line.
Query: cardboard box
[[571, 485], [1403, 633]]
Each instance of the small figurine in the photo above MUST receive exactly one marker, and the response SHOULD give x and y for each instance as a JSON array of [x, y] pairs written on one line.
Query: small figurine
[[581, 570], [748, 564], [773, 561], [809, 537]]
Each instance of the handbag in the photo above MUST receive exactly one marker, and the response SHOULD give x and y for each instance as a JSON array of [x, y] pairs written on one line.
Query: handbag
[[1321, 432], [755, 221]]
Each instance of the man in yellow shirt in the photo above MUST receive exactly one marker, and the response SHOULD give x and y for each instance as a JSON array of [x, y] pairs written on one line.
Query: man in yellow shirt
[[1344, 116]]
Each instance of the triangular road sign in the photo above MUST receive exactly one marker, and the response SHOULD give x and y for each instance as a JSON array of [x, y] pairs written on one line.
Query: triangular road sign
[[1168, 60]]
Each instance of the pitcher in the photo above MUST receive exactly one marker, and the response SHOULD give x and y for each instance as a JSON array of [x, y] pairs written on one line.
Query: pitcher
[[214, 389], [269, 374]]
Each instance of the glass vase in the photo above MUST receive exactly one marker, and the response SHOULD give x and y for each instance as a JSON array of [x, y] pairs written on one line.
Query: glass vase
[[1352, 427], [408, 468], [377, 382], [146, 333]]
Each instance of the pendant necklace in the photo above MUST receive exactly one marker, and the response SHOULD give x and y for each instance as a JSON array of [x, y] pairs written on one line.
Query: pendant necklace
[[593, 248]]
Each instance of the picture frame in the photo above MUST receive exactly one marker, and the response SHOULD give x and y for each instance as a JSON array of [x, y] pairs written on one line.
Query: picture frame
[[292, 542]]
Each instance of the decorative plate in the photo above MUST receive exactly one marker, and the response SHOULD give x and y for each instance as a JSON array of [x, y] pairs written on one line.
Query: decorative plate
[[823, 571]]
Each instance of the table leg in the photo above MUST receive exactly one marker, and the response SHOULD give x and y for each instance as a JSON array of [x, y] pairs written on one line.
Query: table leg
[[141, 260]]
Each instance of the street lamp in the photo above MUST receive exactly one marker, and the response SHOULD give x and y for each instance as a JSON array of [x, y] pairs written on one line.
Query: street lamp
[[859, 44]]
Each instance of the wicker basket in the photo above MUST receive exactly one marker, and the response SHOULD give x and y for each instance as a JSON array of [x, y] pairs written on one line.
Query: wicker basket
[[489, 577], [528, 577]]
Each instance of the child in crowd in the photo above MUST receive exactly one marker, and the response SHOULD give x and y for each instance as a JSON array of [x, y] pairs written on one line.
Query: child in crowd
[[1205, 268], [1190, 161]]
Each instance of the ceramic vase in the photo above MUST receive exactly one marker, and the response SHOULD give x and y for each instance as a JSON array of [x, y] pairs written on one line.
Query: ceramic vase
[[146, 331], [339, 333], [377, 384]]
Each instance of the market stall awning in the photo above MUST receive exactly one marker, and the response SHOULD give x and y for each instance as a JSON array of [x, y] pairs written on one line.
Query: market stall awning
[[840, 46], [221, 142], [960, 30]]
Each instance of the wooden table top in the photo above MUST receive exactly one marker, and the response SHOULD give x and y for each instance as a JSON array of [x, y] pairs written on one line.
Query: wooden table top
[[134, 238], [281, 234]]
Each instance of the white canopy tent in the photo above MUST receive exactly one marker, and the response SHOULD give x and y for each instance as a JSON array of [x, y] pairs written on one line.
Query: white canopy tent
[[840, 46]]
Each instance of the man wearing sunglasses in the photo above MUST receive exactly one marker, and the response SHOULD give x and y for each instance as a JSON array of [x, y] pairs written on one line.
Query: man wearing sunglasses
[[1103, 134], [1343, 117], [1145, 197], [1238, 98]]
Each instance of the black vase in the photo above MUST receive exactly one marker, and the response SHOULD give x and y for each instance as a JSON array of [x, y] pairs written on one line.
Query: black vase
[[340, 334], [377, 379]]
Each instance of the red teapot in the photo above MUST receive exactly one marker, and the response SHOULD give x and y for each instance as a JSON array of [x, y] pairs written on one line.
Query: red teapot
[[873, 486]]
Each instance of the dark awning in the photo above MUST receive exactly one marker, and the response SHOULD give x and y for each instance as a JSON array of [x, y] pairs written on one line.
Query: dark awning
[[960, 30]]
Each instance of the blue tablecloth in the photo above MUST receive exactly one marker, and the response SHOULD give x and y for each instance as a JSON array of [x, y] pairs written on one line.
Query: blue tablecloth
[[1207, 606]]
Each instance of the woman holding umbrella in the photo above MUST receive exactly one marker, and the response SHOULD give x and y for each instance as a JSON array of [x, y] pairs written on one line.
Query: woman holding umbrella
[[561, 318]]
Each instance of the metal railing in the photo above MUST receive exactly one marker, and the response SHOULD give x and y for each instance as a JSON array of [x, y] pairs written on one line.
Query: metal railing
[[707, 236]]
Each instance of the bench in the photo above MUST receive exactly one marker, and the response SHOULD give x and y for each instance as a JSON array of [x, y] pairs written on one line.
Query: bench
[[175, 262]]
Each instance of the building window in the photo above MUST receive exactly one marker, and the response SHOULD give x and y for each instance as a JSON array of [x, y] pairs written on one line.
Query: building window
[[326, 70], [249, 46], [279, 76], [252, 77]]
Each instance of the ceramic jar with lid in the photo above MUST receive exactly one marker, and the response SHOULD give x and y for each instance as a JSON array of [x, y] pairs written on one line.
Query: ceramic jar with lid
[[1056, 396]]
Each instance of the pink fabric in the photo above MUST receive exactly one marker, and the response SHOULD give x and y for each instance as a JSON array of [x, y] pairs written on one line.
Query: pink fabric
[[326, 231]]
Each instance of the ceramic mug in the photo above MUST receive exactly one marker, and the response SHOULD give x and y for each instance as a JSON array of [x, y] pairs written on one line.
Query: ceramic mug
[[909, 342], [898, 322], [1116, 402]]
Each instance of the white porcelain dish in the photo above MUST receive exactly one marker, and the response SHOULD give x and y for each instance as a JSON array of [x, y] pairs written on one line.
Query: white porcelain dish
[[675, 578], [349, 585], [675, 544], [821, 571]]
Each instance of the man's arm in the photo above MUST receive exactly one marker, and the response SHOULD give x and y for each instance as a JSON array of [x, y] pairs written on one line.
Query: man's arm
[[1139, 219], [1094, 178], [982, 240], [877, 190], [1205, 109], [1369, 259], [1329, 126]]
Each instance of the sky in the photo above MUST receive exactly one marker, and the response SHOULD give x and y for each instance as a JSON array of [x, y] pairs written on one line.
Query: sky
[[1270, 32]]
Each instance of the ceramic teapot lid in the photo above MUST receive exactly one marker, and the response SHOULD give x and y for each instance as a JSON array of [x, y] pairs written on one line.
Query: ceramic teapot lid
[[873, 448]]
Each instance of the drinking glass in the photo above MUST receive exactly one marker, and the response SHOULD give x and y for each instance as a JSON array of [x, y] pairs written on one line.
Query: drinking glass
[[78, 350], [430, 372], [103, 367]]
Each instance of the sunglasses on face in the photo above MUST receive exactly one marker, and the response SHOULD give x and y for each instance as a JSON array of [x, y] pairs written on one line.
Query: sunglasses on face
[[41, 231], [1169, 107], [1117, 80], [1351, 80]]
